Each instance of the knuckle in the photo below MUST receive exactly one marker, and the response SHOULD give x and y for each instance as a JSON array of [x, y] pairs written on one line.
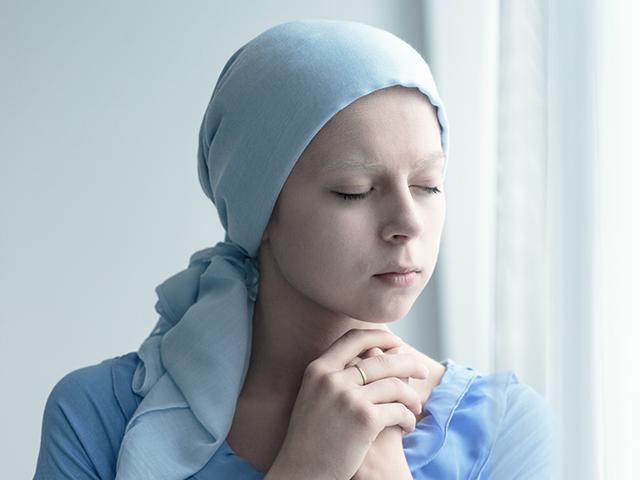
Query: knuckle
[[364, 415], [327, 382], [352, 332], [384, 361], [315, 371], [412, 419], [349, 400], [397, 383], [394, 351], [415, 394], [353, 362], [409, 358]]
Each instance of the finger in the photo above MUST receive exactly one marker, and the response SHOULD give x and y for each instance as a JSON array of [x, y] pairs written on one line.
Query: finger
[[390, 414], [353, 362], [369, 353], [401, 365], [389, 390], [394, 350], [378, 351], [353, 343], [372, 352], [390, 351]]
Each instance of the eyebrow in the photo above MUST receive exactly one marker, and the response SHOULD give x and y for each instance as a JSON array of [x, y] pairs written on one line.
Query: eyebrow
[[430, 160]]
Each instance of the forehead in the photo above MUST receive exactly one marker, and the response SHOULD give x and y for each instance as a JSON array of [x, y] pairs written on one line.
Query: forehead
[[376, 131], [426, 161]]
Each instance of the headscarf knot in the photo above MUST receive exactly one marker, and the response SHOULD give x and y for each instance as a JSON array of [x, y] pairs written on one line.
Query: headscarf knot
[[247, 265]]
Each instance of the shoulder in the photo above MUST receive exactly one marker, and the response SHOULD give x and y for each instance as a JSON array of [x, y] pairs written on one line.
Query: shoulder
[[98, 388], [524, 436], [84, 419], [485, 425]]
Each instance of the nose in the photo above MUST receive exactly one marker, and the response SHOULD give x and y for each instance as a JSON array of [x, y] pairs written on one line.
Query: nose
[[403, 215]]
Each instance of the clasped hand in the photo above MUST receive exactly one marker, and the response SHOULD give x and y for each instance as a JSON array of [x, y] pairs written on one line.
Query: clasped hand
[[385, 459]]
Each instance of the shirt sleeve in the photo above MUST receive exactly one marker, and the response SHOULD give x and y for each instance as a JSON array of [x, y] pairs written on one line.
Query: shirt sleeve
[[526, 442], [82, 427]]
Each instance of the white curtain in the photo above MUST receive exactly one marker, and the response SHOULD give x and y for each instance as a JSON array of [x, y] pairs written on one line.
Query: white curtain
[[618, 239], [539, 263]]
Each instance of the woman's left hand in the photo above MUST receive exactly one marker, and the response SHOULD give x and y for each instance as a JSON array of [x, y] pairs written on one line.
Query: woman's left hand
[[385, 458]]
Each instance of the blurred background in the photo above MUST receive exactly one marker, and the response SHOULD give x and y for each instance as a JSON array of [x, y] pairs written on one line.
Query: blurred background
[[100, 105]]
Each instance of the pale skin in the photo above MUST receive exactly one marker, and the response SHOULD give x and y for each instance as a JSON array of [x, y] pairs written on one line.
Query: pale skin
[[318, 258]]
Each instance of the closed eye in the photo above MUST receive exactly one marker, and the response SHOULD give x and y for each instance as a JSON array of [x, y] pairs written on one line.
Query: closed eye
[[360, 196]]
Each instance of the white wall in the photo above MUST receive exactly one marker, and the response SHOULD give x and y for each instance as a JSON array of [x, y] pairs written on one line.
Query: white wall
[[100, 105]]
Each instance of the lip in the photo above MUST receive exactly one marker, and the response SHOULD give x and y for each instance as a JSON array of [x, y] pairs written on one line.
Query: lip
[[396, 279], [401, 269]]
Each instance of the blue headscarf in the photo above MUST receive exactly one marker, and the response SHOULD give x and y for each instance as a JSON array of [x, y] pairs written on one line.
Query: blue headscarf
[[272, 97]]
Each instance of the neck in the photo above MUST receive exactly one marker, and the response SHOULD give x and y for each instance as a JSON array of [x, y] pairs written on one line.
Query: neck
[[289, 332]]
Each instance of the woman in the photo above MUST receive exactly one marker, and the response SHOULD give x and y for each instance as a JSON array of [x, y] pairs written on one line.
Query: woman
[[323, 148]]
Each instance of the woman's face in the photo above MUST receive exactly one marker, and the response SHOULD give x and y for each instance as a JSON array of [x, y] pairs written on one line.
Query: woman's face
[[328, 247]]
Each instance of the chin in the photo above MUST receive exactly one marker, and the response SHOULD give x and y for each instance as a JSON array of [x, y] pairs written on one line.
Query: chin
[[376, 321], [383, 315]]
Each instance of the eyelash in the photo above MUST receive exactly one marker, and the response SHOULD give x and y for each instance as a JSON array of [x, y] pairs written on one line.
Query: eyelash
[[359, 196]]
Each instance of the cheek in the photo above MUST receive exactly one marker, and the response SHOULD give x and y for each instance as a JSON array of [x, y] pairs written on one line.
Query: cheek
[[331, 239], [321, 249]]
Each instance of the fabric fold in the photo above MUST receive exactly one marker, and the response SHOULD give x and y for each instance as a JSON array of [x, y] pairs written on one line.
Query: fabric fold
[[178, 350], [438, 410]]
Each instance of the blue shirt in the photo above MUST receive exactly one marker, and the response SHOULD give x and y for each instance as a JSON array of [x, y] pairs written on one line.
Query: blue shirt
[[475, 426]]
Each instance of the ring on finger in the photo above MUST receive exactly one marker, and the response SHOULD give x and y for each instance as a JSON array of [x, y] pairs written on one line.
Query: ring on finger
[[362, 374]]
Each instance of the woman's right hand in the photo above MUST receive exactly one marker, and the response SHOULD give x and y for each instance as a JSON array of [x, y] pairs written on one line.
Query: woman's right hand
[[336, 419]]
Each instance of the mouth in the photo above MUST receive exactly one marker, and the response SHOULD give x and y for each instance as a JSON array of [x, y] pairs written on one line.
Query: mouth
[[401, 278], [399, 270]]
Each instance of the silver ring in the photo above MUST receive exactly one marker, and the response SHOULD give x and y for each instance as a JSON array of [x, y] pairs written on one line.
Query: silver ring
[[362, 374]]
